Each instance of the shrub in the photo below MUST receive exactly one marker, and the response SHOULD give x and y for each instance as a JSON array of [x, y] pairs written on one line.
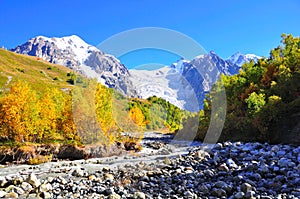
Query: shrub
[[39, 159]]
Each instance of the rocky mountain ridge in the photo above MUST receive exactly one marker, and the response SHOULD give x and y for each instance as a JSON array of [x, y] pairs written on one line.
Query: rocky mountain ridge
[[184, 83], [74, 53]]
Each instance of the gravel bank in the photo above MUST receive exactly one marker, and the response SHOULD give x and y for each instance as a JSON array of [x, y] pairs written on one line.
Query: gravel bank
[[229, 170]]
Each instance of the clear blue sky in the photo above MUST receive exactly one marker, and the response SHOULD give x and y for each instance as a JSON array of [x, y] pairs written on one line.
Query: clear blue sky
[[223, 26]]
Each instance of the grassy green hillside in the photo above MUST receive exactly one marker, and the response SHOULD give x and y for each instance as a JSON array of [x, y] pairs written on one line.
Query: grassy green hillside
[[33, 70]]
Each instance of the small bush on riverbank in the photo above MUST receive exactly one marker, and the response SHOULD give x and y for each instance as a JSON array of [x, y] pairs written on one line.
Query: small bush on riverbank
[[39, 159]]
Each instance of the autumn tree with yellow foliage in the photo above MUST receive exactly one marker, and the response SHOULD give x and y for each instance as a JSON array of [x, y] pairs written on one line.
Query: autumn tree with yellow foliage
[[26, 116], [19, 113]]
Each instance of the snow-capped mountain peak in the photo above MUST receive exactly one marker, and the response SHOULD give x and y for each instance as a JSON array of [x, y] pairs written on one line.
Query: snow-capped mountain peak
[[79, 47], [252, 56], [73, 52], [239, 58], [179, 65]]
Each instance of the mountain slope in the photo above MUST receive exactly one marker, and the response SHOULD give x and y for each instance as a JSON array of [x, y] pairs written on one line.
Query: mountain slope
[[77, 55], [184, 83], [37, 72], [167, 84]]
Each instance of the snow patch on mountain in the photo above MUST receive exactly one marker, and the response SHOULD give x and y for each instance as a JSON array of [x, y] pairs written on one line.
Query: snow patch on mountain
[[185, 83], [166, 83], [74, 43], [239, 58], [179, 65], [76, 54]]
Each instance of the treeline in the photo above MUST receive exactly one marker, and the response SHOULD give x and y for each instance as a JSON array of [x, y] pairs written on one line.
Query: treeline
[[263, 100], [157, 114], [89, 113], [29, 116]]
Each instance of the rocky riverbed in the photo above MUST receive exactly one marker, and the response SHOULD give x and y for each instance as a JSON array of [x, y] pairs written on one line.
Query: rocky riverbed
[[164, 169]]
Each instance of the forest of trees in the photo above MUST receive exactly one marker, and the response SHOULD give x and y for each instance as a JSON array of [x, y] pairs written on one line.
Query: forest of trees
[[29, 116], [87, 114], [158, 114], [263, 100]]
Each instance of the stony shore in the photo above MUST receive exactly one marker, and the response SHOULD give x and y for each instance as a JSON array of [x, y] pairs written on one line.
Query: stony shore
[[228, 170]]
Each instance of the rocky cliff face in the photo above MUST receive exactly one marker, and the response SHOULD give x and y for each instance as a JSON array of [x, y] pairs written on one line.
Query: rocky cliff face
[[77, 55], [184, 83]]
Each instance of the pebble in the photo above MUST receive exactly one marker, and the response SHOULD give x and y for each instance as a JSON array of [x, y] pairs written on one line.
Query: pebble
[[45, 187], [2, 194], [11, 195], [229, 170], [239, 195], [26, 186], [78, 172], [114, 196], [245, 187], [32, 179], [219, 192], [250, 194], [45, 195], [139, 195], [3, 181], [109, 176]]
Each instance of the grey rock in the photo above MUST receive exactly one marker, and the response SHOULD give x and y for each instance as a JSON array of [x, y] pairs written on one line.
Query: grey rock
[[109, 176], [139, 195], [219, 192], [231, 164], [15, 189], [283, 162], [202, 154], [3, 181], [45, 195], [239, 195], [62, 180], [142, 184], [78, 172], [204, 189], [223, 167], [209, 173], [250, 194], [11, 195], [45, 187], [26, 186], [218, 146], [281, 153], [17, 180], [33, 180], [275, 148], [220, 184], [2, 194], [275, 168], [266, 197], [188, 194], [114, 196], [245, 187], [264, 168]]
